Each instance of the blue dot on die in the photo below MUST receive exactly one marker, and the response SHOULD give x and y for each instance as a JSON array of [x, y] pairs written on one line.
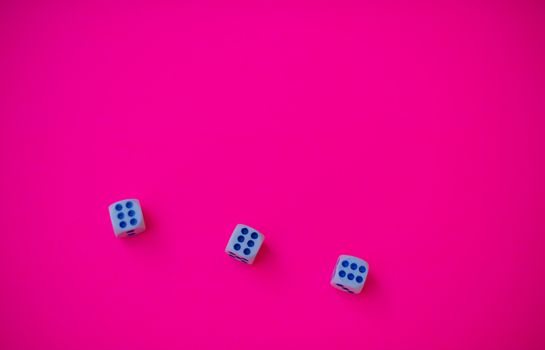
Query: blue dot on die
[[118, 207], [254, 235], [250, 243], [122, 224], [247, 251], [244, 231], [240, 239], [133, 222], [237, 246], [129, 204], [131, 213], [342, 273], [359, 279], [350, 276], [362, 269], [120, 216], [345, 263], [353, 266]]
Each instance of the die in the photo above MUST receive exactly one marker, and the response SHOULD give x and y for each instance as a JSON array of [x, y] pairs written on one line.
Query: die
[[350, 274], [127, 218], [244, 244]]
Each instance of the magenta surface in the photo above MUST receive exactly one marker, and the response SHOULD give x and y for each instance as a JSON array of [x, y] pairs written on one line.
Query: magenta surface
[[409, 134]]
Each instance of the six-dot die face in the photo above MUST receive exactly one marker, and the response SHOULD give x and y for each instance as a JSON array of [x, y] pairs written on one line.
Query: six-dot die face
[[350, 274], [127, 218], [244, 244]]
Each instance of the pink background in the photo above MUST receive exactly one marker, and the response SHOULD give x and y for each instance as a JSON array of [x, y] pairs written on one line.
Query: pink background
[[409, 134]]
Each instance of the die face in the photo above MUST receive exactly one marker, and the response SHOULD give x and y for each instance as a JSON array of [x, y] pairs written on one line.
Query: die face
[[350, 274], [244, 243], [127, 218]]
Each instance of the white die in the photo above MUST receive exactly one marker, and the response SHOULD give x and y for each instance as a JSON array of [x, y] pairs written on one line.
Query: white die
[[244, 244], [349, 274], [127, 218]]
